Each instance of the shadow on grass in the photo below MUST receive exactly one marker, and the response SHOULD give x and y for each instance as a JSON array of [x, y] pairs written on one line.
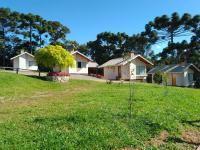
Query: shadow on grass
[[37, 77], [195, 123], [179, 140]]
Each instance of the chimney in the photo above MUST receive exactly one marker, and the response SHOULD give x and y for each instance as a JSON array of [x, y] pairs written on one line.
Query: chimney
[[131, 54]]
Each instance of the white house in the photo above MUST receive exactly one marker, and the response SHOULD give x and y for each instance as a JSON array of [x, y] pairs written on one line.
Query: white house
[[177, 75], [132, 68], [24, 60], [81, 64]]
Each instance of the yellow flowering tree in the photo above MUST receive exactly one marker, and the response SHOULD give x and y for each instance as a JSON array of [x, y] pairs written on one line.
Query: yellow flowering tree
[[52, 56]]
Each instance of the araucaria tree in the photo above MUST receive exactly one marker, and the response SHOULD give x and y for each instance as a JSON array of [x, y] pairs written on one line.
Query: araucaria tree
[[54, 56]]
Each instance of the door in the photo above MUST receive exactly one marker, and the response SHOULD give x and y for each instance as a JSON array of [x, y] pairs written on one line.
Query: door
[[173, 80]]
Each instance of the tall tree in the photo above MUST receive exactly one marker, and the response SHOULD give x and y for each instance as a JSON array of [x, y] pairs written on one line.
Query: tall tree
[[167, 28], [107, 46], [57, 31], [8, 21], [42, 29], [28, 30]]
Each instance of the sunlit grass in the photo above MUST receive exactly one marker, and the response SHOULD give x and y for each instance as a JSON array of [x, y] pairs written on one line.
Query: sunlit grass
[[90, 115]]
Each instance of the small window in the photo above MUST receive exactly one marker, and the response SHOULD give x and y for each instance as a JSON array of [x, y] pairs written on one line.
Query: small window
[[83, 65], [140, 70], [79, 64], [31, 63], [190, 77]]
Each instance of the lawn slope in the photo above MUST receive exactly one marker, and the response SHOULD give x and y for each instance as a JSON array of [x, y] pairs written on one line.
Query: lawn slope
[[37, 114]]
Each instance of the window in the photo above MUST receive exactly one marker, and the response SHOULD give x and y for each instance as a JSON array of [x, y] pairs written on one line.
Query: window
[[31, 63], [81, 64], [140, 70], [190, 77]]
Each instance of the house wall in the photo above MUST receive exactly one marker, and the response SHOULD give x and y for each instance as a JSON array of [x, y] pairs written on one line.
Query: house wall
[[75, 69], [125, 72], [128, 71], [186, 81], [22, 62], [110, 73], [133, 64], [16, 63]]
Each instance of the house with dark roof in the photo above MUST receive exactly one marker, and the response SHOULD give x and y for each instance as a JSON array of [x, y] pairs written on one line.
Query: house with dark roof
[[134, 67], [177, 74]]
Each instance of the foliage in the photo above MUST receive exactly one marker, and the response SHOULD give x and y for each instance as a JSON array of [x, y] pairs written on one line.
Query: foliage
[[157, 77], [75, 46], [197, 82], [52, 56], [164, 78], [26, 31], [56, 116]]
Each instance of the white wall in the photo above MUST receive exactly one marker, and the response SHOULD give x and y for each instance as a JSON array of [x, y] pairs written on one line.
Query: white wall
[[75, 69], [110, 73], [22, 62], [16, 62], [133, 64], [186, 81], [125, 72]]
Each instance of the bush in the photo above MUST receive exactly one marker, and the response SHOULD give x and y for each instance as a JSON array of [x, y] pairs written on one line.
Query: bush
[[51, 56], [157, 77], [197, 83]]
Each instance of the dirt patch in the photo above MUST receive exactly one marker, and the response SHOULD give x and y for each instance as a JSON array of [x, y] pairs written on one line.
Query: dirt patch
[[160, 140], [192, 137]]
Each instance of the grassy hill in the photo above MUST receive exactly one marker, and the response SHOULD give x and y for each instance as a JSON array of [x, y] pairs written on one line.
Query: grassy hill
[[37, 114]]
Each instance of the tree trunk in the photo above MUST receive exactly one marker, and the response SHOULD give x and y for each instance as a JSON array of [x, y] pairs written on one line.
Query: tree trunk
[[172, 37], [4, 46], [30, 36]]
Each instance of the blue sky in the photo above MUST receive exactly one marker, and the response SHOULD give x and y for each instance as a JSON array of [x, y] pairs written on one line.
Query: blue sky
[[87, 18]]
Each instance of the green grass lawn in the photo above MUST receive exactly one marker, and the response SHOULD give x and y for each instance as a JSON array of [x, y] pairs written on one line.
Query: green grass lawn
[[37, 114]]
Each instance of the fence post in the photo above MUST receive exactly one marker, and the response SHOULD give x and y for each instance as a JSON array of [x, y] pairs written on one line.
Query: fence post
[[17, 71]]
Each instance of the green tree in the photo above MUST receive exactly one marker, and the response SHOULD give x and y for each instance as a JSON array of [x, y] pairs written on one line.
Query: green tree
[[8, 23], [57, 31], [157, 77], [107, 46], [28, 30], [52, 56]]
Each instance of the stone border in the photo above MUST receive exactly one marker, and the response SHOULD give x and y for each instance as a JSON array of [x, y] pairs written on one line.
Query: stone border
[[58, 78]]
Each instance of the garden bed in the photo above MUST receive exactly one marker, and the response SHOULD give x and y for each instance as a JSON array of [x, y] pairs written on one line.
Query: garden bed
[[58, 76]]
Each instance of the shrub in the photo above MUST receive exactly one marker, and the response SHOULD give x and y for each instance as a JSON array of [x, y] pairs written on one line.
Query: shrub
[[51, 56], [197, 83], [157, 77]]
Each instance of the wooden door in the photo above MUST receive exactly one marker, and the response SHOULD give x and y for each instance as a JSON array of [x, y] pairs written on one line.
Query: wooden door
[[173, 80]]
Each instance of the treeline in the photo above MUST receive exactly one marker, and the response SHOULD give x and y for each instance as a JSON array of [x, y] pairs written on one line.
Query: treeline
[[29, 32], [170, 29], [26, 31]]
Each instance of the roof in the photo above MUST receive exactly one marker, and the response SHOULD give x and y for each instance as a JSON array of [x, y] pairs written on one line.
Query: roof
[[74, 52], [21, 55], [136, 56], [179, 68], [121, 61], [112, 62], [92, 64]]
